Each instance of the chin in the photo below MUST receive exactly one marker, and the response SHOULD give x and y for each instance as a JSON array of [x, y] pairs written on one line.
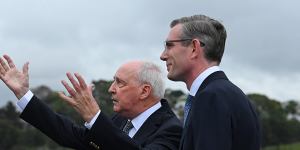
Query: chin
[[171, 77], [116, 109], [174, 78]]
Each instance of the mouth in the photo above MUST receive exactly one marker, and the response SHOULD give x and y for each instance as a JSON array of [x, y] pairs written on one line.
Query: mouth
[[169, 67], [114, 100]]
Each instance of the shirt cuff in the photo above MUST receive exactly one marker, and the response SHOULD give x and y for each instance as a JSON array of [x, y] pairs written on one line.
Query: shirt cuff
[[91, 123], [22, 103]]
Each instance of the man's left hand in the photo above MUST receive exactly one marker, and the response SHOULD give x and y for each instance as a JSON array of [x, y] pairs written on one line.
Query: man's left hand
[[81, 97]]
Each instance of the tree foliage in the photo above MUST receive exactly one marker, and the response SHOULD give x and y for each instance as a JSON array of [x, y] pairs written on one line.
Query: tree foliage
[[277, 127], [279, 121]]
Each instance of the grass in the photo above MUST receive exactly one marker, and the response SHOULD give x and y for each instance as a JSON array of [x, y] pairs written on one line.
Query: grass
[[294, 146]]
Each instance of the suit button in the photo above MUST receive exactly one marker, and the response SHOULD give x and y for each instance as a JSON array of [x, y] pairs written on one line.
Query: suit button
[[94, 145]]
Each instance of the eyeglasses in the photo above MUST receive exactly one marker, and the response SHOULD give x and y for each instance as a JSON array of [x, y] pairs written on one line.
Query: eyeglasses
[[169, 43]]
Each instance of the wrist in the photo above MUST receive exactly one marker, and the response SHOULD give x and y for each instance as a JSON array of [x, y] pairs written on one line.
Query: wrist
[[90, 117], [21, 93]]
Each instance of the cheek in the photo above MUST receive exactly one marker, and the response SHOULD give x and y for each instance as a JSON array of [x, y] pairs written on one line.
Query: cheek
[[181, 58], [178, 62], [178, 56], [127, 97]]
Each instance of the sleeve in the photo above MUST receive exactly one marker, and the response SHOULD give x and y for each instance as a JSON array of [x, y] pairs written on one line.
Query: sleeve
[[105, 135], [57, 127], [22, 103], [90, 124], [168, 137]]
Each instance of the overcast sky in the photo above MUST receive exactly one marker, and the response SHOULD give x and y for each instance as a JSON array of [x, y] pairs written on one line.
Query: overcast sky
[[95, 37]]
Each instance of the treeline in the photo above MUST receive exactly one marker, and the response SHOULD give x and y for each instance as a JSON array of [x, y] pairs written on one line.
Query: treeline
[[279, 121]]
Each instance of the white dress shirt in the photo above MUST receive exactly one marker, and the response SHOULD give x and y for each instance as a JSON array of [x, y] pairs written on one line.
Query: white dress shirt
[[199, 80], [138, 121]]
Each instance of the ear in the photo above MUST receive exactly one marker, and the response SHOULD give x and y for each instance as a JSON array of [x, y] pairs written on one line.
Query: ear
[[145, 91], [197, 50]]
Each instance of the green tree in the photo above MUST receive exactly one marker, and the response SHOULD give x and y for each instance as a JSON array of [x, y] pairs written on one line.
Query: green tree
[[291, 108], [102, 96], [273, 119], [277, 127]]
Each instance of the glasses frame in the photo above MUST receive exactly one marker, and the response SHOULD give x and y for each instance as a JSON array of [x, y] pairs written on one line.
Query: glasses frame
[[182, 40]]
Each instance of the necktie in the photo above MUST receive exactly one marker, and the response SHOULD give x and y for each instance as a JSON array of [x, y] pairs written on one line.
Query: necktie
[[127, 127], [187, 107]]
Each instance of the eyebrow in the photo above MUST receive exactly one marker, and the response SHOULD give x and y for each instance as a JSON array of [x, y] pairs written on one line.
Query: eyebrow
[[119, 80]]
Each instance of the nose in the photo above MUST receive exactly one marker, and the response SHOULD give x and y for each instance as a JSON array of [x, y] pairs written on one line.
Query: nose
[[112, 88], [163, 56]]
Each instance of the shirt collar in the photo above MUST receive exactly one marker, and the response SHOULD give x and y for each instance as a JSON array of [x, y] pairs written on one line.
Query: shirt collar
[[138, 121], [199, 80]]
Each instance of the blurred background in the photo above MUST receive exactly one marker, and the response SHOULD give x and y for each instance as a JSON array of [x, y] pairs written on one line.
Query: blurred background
[[94, 38]]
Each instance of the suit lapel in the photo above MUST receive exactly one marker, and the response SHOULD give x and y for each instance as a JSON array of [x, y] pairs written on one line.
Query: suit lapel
[[214, 76], [119, 121], [149, 126], [152, 123]]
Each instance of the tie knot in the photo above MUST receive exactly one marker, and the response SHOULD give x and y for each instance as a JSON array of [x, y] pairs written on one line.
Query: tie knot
[[127, 127]]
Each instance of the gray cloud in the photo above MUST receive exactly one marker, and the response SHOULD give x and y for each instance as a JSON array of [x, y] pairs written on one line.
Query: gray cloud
[[95, 37]]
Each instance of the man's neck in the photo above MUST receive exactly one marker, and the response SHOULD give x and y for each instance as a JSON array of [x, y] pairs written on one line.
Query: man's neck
[[145, 105], [196, 72]]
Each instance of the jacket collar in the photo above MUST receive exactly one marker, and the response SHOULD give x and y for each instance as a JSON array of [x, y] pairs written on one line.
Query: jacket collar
[[153, 122]]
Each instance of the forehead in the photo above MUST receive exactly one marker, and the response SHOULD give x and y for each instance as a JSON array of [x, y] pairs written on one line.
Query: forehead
[[175, 32], [127, 71]]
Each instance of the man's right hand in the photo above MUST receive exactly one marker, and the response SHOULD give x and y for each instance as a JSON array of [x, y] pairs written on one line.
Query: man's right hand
[[16, 81]]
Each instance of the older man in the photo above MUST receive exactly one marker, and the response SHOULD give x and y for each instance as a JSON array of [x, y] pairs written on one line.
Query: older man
[[144, 120]]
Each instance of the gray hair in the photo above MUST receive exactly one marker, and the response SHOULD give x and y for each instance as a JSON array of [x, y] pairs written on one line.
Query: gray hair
[[209, 31], [151, 73]]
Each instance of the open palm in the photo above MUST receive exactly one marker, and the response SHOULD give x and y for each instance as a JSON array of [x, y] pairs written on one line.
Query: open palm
[[16, 81]]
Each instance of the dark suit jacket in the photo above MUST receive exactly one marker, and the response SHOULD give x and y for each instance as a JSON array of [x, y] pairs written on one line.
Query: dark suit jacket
[[162, 130], [221, 118]]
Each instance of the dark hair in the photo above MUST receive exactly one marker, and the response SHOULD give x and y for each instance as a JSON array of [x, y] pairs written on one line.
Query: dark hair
[[209, 31]]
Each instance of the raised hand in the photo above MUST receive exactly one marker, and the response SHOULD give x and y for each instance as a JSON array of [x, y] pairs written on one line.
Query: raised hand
[[81, 98], [15, 80]]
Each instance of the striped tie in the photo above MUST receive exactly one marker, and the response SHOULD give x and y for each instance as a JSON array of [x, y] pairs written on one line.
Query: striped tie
[[187, 107], [127, 127]]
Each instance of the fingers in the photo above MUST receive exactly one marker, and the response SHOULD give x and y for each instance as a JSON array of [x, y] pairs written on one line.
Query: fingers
[[9, 61], [66, 98], [69, 89], [78, 88], [9, 64], [91, 87], [81, 81], [74, 82], [4, 65], [26, 68], [2, 71]]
